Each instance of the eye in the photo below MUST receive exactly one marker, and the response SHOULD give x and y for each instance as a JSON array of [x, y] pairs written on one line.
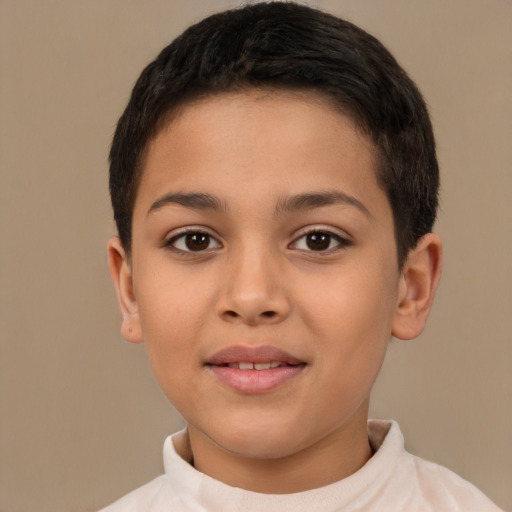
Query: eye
[[319, 241], [193, 241]]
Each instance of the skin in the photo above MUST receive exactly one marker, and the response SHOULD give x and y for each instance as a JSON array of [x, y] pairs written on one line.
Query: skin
[[259, 281]]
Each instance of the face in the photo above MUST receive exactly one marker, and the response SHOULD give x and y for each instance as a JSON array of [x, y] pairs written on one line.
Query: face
[[263, 276]]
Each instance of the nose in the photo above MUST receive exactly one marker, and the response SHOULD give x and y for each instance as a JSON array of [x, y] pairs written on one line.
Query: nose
[[254, 290]]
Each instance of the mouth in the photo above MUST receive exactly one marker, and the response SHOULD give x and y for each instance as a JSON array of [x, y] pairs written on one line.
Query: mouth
[[254, 370], [256, 366]]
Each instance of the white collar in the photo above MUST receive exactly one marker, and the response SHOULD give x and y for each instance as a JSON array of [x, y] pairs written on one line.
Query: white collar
[[385, 438]]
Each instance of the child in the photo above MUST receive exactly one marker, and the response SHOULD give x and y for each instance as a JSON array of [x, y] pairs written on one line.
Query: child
[[274, 183]]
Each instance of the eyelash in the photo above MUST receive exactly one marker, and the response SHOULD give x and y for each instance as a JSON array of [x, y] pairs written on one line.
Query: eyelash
[[171, 243]]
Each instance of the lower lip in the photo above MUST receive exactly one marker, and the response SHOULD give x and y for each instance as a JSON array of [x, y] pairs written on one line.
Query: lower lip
[[256, 381]]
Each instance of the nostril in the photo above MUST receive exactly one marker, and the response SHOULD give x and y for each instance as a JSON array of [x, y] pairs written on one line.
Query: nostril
[[252, 317]]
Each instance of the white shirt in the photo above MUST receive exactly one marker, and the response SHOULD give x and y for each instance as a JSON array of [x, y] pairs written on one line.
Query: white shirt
[[393, 480]]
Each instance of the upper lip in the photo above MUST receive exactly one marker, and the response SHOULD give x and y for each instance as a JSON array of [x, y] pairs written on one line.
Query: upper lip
[[259, 354]]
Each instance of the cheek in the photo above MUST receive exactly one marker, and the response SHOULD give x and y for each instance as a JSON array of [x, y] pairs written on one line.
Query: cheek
[[171, 300], [351, 318], [351, 302], [172, 315]]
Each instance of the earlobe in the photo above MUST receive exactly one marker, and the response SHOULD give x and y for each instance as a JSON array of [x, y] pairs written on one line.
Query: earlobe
[[120, 271], [417, 287]]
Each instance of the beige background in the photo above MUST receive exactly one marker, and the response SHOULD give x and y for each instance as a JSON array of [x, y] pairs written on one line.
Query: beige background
[[82, 420]]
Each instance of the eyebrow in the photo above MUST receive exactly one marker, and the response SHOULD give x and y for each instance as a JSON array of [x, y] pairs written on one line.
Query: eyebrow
[[193, 200], [313, 200], [306, 201]]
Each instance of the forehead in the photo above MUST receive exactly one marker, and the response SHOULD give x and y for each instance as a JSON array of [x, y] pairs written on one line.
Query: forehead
[[256, 130]]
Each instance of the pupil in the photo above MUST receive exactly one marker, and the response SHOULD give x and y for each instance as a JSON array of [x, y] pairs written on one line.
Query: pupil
[[318, 241], [197, 241]]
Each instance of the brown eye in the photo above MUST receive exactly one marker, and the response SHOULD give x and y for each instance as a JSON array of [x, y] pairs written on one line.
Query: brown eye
[[197, 241], [193, 241], [318, 241]]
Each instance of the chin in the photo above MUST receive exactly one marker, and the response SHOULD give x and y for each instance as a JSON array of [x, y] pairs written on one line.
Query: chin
[[258, 441]]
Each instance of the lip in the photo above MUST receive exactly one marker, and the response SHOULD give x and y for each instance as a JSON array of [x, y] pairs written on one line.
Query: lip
[[260, 354], [254, 381]]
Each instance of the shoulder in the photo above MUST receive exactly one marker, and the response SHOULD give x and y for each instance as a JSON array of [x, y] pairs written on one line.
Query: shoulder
[[412, 483], [174, 490], [446, 490], [141, 498]]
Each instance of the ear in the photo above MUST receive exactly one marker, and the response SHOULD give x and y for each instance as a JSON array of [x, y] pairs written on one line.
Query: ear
[[417, 288], [120, 270]]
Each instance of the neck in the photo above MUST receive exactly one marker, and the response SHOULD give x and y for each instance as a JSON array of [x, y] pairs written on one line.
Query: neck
[[336, 456]]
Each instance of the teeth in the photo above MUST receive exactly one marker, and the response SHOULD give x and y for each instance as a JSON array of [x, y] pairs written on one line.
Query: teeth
[[262, 366], [255, 366]]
